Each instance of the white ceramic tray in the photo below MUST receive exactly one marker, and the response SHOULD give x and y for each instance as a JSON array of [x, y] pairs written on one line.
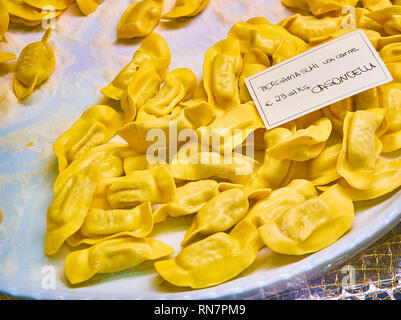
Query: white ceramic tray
[[88, 57]]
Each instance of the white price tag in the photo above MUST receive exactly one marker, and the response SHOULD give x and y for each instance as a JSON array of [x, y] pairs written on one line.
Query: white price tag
[[317, 78]]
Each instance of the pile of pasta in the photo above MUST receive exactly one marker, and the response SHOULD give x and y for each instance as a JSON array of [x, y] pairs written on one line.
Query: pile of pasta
[[138, 18], [32, 12], [4, 21], [295, 196], [34, 66], [143, 16], [37, 61]]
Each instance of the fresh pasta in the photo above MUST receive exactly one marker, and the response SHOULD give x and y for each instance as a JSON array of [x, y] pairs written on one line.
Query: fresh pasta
[[183, 154]]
